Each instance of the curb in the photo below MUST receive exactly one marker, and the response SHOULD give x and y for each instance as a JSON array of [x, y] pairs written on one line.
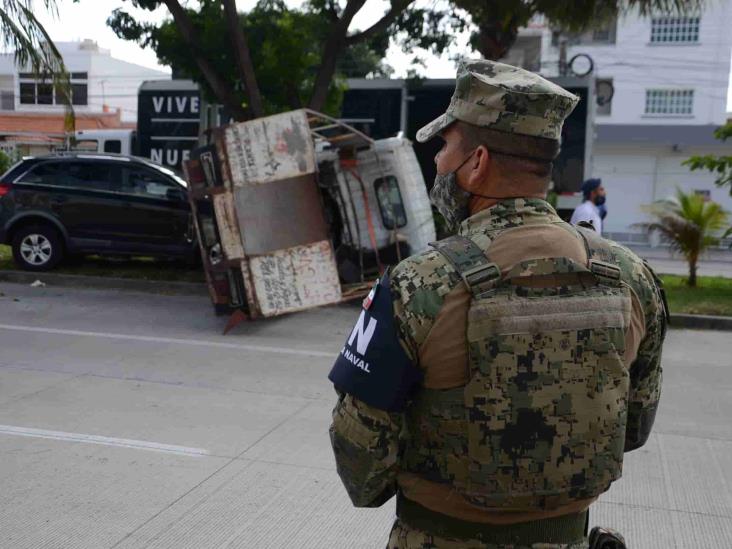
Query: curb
[[702, 322], [106, 283]]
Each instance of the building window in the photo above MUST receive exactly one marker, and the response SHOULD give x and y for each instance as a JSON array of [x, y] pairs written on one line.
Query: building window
[[27, 93], [78, 94], [42, 92], [669, 102], [670, 30], [604, 32]]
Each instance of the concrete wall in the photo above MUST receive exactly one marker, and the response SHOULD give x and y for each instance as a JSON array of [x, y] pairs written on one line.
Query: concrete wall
[[636, 176]]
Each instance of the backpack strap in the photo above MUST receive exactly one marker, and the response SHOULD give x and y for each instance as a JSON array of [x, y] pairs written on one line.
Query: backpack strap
[[472, 264], [600, 259]]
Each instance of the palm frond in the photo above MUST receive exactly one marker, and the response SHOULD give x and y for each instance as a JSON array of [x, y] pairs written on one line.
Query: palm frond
[[663, 7], [687, 223]]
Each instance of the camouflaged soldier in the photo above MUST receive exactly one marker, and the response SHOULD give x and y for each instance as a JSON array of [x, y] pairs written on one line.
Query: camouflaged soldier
[[494, 382]]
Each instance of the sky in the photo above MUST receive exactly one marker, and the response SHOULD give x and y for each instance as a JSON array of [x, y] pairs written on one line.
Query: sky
[[87, 19]]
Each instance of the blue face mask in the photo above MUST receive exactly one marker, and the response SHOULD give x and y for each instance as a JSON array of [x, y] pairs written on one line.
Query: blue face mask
[[599, 200]]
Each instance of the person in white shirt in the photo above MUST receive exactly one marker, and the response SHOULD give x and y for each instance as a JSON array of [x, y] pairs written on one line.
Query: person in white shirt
[[589, 211]]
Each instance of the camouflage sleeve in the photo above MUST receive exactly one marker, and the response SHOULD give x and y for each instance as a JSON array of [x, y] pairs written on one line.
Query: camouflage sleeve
[[646, 371], [419, 286], [366, 440], [366, 447]]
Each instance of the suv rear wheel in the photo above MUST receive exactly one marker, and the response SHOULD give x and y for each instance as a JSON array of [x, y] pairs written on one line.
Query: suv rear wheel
[[37, 248]]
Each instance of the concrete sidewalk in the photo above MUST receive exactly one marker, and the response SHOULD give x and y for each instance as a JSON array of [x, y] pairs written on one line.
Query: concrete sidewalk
[[713, 263], [127, 420]]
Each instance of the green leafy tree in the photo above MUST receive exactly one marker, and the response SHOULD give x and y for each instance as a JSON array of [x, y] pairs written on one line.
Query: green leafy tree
[[275, 57], [720, 165], [497, 22], [689, 224], [5, 162], [22, 32]]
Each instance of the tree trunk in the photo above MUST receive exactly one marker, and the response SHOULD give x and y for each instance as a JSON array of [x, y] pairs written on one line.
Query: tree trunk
[[223, 91], [692, 274], [243, 59], [493, 40], [325, 75], [332, 48]]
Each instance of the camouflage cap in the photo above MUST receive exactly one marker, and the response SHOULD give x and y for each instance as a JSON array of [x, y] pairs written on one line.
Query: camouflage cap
[[504, 98]]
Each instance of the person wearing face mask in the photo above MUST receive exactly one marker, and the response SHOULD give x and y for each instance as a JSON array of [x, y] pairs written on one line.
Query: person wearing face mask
[[493, 382], [593, 206]]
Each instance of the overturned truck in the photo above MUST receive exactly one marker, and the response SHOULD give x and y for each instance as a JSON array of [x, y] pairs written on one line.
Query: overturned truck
[[299, 210]]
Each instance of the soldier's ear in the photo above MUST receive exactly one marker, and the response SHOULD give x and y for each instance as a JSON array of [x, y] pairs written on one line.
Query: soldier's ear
[[480, 164]]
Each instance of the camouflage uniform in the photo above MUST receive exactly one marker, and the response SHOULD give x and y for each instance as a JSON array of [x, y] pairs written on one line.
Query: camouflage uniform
[[531, 389]]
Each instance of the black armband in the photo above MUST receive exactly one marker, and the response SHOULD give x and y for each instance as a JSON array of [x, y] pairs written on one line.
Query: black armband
[[373, 366]]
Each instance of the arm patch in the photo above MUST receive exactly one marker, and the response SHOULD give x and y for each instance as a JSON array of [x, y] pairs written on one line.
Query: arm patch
[[373, 366]]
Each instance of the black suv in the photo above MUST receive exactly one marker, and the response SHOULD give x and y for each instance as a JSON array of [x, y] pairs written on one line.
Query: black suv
[[75, 204]]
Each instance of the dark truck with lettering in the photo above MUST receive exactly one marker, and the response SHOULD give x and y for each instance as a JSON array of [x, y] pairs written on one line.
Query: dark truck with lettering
[[168, 122]]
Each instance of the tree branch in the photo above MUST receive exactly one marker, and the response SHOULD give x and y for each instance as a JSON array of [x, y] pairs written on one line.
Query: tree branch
[[397, 7], [220, 87], [334, 44], [243, 59]]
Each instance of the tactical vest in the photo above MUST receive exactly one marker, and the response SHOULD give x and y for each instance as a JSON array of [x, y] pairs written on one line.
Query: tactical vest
[[541, 420]]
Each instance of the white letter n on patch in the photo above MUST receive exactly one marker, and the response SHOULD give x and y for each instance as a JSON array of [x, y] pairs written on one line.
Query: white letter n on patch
[[362, 336]]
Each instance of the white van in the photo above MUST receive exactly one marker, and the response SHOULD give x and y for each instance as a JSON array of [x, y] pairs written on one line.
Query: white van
[[116, 141]]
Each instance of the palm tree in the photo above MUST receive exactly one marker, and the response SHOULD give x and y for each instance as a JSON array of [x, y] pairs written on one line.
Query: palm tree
[[689, 224], [21, 31]]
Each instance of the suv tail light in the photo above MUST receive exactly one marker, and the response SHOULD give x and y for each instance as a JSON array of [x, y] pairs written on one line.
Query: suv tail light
[[5, 188]]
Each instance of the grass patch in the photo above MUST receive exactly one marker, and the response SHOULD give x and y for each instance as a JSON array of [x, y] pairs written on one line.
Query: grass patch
[[712, 296], [144, 268], [6, 257]]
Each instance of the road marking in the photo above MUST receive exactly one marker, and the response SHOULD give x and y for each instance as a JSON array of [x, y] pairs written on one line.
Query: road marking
[[105, 441], [152, 339]]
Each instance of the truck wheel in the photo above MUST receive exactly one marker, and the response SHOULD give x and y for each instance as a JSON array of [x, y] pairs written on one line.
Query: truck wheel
[[37, 248]]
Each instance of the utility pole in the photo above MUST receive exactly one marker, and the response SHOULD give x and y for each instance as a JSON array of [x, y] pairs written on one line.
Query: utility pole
[[563, 69]]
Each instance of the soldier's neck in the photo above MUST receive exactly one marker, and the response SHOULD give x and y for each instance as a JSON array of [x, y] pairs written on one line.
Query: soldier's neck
[[492, 192]]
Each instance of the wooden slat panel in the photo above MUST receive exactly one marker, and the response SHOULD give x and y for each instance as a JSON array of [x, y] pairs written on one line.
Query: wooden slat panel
[[295, 279], [269, 149]]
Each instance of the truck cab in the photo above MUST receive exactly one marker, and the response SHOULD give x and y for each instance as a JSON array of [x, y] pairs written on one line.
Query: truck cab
[[116, 141]]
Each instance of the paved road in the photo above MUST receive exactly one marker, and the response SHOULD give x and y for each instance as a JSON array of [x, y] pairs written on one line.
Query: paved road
[[127, 421]]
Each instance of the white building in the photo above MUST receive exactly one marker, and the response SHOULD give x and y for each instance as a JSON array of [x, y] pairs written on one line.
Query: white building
[[670, 76], [99, 83]]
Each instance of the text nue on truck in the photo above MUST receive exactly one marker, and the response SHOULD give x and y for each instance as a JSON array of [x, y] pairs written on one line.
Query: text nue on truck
[[299, 210]]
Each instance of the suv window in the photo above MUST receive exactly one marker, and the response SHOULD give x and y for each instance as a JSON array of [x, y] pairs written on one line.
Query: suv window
[[147, 182], [391, 205], [100, 176], [42, 174]]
